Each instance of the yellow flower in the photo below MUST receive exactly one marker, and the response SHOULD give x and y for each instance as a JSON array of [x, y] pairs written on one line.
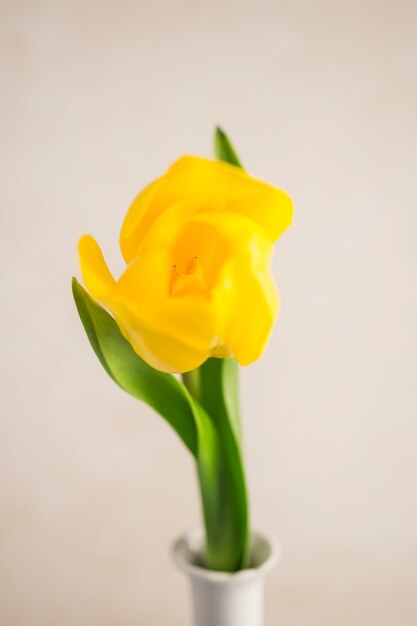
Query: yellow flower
[[197, 243]]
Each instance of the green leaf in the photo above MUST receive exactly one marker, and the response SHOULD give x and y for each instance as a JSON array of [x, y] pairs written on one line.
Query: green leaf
[[161, 391], [223, 149]]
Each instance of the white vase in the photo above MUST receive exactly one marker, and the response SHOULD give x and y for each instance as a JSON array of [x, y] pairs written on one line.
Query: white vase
[[221, 598]]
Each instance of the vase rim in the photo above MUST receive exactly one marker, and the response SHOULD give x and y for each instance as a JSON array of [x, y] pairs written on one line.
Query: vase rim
[[187, 547]]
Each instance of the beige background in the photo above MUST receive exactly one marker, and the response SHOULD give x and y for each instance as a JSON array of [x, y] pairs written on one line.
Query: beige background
[[320, 98]]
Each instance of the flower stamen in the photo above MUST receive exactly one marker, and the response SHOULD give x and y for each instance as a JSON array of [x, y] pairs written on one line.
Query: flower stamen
[[192, 281]]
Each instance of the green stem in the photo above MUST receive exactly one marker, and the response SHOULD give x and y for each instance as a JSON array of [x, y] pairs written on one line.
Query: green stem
[[224, 498]]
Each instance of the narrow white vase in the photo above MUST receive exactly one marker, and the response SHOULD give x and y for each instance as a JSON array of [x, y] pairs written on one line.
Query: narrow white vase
[[221, 598]]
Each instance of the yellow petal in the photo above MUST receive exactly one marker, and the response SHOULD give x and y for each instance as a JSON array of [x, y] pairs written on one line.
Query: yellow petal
[[267, 206], [235, 316], [245, 294], [96, 275], [252, 313], [164, 349], [178, 326], [139, 218], [209, 183]]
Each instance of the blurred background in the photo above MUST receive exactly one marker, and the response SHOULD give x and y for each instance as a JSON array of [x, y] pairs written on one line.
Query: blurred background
[[98, 98]]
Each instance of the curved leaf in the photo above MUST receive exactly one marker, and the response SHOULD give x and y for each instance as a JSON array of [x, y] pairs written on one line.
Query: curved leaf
[[161, 391]]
